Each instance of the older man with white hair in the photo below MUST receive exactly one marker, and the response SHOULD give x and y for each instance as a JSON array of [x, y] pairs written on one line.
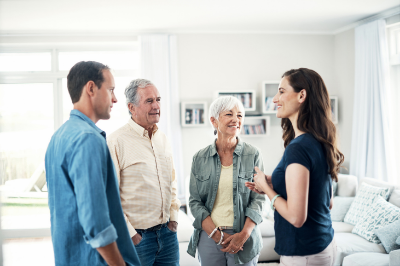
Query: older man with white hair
[[142, 157]]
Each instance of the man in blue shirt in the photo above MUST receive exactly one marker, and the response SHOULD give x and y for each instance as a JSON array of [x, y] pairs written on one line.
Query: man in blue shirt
[[87, 222]]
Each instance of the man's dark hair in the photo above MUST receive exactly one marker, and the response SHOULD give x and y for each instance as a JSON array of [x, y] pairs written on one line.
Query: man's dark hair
[[80, 74]]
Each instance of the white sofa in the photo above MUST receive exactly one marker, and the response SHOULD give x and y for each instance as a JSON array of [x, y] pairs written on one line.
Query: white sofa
[[351, 249]]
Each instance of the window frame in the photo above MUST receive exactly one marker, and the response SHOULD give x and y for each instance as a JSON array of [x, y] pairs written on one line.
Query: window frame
[[55, 76], [393, 31]]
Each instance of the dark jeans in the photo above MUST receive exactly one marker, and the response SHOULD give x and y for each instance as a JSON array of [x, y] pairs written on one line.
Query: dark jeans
[[158, 248]]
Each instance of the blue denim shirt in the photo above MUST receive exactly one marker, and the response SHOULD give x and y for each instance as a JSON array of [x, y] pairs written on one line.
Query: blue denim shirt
[[84, 200], [204, 181]]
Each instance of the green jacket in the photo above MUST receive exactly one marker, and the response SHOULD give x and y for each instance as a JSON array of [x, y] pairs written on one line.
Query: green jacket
[[204, 180]]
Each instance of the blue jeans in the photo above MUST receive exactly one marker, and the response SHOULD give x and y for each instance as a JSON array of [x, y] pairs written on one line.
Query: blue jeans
[[158, 248]]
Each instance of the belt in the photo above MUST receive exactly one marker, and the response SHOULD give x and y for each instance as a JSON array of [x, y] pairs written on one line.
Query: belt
[[225, 227], [155, 228]]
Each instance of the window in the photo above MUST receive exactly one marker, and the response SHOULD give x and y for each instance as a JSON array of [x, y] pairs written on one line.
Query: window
[[34, 102], [25, 62]]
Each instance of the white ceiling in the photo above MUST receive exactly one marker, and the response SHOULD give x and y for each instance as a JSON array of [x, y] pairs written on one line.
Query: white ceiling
[[123, 16]]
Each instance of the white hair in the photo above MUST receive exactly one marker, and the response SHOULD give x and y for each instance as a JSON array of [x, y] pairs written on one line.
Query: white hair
[[131, 91], [223, 104]]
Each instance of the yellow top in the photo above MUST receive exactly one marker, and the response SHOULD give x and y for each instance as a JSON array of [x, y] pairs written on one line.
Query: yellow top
[[222, 213]]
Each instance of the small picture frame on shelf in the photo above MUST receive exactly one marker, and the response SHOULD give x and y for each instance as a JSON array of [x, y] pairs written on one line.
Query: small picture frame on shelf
[[256, 126], [334, 108], [247, 97], [193, 114], [268, 91]]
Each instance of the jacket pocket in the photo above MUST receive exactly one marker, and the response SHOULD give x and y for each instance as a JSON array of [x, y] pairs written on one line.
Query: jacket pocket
[[203, 182], [243, 178]]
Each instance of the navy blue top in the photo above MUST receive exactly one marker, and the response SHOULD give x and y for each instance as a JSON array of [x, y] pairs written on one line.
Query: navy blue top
[[317, 232], [85, 207]]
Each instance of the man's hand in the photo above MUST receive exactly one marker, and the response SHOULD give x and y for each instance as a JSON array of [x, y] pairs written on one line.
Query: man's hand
[[111, 255], [173, 226], [136, 239]]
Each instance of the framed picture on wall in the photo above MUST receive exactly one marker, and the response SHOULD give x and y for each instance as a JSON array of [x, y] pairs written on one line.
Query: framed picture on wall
[[334, 108]]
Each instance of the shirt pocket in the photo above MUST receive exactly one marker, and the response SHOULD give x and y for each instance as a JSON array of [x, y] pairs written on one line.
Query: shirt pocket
[[203, 182], [242, 179]]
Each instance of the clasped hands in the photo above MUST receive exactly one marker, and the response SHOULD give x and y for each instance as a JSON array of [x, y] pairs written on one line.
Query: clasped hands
[[234, 243]]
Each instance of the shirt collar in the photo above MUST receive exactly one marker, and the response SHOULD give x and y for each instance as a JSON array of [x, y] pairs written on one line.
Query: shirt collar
[[87, 120], [141, 130], [238, 149]]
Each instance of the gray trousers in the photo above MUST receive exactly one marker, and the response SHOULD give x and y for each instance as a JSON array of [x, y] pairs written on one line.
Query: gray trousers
[[211, 255]]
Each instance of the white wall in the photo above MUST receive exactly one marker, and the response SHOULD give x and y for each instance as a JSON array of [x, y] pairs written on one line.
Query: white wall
[[344, 88], [209, 62]]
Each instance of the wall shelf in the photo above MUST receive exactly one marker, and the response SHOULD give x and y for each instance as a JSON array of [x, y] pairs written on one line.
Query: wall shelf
[[268, 91], [247, 97], [194, 114], [256, 126]]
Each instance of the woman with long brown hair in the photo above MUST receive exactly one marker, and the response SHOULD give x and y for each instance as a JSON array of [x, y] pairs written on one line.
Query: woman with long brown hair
[[300, 188]]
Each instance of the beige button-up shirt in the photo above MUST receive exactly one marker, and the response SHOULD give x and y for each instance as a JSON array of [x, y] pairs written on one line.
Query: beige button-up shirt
[[146, 176]]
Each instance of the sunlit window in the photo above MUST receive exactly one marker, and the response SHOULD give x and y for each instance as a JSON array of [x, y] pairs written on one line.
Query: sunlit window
[[34, 102], [117, 60], [25, 62], [26, 126]]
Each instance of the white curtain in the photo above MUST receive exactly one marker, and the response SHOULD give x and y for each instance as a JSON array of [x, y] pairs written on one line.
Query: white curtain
[[159, 65], [371, 147]]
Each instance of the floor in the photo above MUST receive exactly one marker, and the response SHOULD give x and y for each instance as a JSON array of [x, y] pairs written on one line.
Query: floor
[[36, 252], [28, 251]]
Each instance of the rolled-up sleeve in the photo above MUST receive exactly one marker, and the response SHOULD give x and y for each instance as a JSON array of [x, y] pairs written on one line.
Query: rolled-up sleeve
[[196, 205], [88, 175], [108, 235], [255, 206]]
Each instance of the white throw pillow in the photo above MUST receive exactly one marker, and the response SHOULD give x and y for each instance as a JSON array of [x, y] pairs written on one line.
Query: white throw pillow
[[363, 201], [379, 214]]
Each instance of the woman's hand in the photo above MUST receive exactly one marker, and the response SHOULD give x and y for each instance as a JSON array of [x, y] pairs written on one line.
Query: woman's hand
[[252, 187], [236, 242], [260, 180]]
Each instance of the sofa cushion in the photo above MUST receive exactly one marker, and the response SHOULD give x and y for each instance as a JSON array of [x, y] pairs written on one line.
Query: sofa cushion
[[347, 185], [366, 258], [377, 183], [380, 213], [341, 227], [267, 228], [341, 205], [348, 243], [363, 201], [388, 235], [394, 257], [185, 227], [395, 197]]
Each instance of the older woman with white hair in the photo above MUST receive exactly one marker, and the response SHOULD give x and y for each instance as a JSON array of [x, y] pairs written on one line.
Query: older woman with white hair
[[226, 212]]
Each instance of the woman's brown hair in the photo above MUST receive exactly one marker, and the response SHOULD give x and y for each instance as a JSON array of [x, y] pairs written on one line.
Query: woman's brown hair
[[314, 115]]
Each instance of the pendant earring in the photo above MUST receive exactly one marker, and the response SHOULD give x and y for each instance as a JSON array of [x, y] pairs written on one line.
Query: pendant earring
[[215, 132]]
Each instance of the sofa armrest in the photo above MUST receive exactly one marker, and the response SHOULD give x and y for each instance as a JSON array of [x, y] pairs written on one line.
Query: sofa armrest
[[394, 257], [347, 185]]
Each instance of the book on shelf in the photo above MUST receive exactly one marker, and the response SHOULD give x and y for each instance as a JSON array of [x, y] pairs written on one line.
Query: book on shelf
[[194, 116], [245, 98], [253, 129], [270, 105]]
